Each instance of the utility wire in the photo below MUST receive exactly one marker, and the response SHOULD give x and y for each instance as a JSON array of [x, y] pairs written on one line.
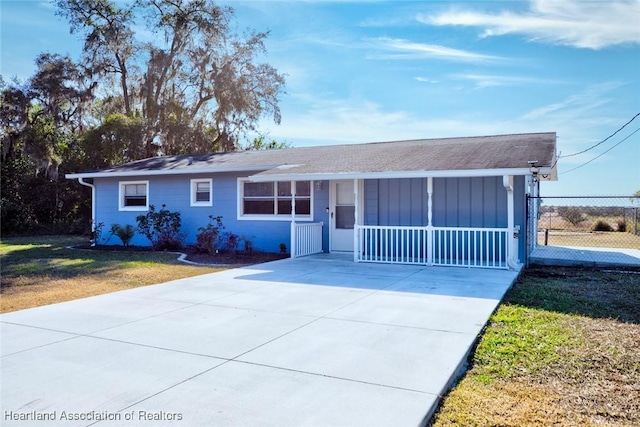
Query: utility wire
[[604, 140], [604, 152]]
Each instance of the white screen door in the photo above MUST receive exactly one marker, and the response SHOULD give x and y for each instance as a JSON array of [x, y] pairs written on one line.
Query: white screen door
[[342, 215]]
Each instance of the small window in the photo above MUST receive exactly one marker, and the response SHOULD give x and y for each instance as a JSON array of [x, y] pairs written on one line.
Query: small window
[[134, 196], [201, 192]]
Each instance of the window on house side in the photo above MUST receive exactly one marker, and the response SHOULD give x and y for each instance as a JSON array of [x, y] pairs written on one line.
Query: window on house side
[[201, 192], [134, 196], [274, 199]]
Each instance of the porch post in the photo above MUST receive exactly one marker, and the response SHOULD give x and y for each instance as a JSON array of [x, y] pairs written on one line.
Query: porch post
[[507, 182], [356, 214], [293, 219], [429, 257]]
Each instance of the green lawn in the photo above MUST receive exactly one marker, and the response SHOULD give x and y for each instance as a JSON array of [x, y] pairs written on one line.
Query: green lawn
[[563, 349], [42, 270]]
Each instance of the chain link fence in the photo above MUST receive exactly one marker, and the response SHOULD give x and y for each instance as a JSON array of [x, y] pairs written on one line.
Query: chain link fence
[[594, 227]]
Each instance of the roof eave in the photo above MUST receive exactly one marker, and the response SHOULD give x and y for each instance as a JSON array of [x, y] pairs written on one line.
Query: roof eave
[[179, 171], [463, 173]]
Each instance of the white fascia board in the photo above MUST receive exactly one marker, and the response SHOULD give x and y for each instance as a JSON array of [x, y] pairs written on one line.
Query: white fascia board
[[386, 175], [181, 171]]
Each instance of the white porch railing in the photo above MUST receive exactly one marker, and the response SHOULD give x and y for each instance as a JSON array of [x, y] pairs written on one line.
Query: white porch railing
[[451, 246], [393, 245], [470, 247], [306, 238]]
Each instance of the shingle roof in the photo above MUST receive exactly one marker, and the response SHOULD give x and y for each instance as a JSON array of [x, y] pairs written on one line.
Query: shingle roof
[[423, 155]]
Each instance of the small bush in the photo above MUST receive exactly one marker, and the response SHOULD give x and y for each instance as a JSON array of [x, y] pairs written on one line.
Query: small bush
[[125, 234], [621, 225], [602, 225], [212, 239], [162, 228], [248, 245], [208, 239], [96, 234]]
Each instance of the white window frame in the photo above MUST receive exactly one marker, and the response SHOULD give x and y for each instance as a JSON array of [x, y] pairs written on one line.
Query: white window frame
[[194, 185], [270, 217], [121, 196]]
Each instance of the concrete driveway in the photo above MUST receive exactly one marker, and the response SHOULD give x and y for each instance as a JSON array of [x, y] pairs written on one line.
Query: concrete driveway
[[316, 341]]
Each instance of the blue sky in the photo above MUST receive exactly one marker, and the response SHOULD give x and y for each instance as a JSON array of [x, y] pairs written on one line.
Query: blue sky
[[367, 71]]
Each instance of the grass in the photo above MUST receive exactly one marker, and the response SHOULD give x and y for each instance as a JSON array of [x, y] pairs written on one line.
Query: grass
[[38, 271], [563, 349]]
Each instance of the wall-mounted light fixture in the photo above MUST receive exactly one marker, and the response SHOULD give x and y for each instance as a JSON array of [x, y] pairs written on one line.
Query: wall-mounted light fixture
[[318, 185]]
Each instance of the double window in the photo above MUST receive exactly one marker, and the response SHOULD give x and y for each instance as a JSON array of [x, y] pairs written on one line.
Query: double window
[[274, 199], [202, 192], [134, 195]]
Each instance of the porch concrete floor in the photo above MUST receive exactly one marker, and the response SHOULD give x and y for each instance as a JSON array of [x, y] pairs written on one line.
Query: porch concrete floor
[[316, 341]]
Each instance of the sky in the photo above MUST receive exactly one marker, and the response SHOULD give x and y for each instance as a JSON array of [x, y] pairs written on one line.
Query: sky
[[368, 71]]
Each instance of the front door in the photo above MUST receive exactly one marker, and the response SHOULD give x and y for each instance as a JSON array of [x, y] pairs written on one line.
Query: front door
[[342, 215]]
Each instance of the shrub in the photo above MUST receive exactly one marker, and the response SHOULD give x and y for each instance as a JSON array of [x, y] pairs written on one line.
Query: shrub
[[602, 225], [248, 245], [621, 225], [96, 234], [162, 228], [212, 239], [125, 234], [209, 238]]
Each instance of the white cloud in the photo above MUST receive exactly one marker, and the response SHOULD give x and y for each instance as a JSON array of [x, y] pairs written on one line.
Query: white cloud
[[405, 49], [484, 80], [583, 24], [425, 80], [575, 106], [348, 121]]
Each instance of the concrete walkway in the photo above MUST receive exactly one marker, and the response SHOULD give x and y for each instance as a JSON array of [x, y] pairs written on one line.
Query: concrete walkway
[[583, 256], [316, 341]]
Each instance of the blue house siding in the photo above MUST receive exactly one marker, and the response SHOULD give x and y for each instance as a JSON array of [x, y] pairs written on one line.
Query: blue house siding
[[174, 192], [395, 202], [469, 202], [456, 202]]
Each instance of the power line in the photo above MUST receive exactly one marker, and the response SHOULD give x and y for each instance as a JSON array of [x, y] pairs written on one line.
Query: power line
[[604, 152], [604, 140]]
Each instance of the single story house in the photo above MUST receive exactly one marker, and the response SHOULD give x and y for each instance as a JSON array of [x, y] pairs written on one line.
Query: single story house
[[449, 201]]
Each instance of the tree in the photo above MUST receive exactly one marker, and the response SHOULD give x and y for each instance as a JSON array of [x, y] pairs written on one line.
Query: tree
[[260, 143], [109, 45], [201, 88], [573, 214], [40, 120]]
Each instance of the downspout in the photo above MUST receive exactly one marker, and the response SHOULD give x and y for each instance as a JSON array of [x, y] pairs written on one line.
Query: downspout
[[93, 206], [507, 182], [356, 214], [294, 237], [429, 257]]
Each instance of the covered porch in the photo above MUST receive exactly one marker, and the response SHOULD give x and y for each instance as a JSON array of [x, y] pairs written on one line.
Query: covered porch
[[470, 221]]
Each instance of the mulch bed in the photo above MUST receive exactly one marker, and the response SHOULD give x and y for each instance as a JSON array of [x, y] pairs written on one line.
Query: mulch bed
[[222, 258]]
